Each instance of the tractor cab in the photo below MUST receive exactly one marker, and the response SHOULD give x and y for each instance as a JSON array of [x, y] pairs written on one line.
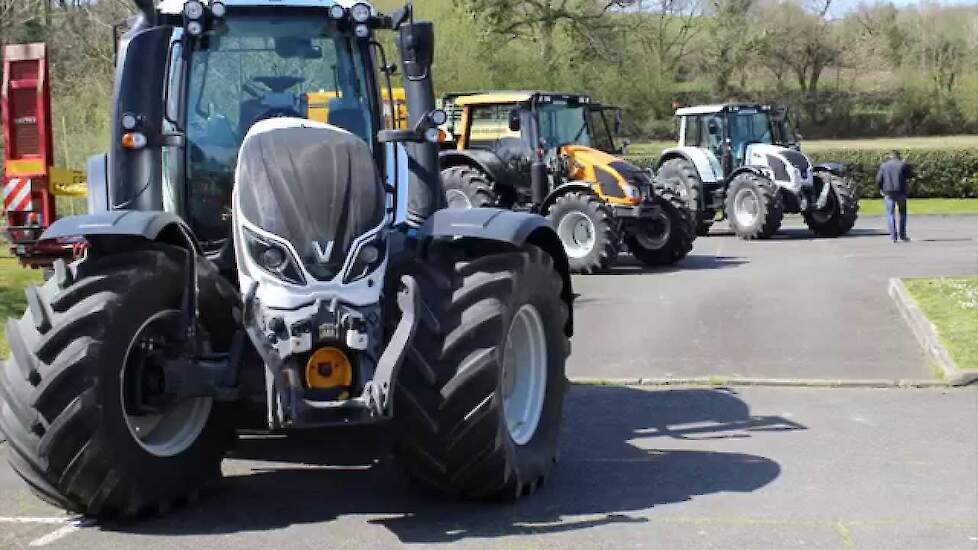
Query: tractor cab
[[727, 132], [533, 120], [604, 123]]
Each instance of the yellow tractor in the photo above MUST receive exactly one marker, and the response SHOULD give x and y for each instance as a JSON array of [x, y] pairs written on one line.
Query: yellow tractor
[[541, 152]]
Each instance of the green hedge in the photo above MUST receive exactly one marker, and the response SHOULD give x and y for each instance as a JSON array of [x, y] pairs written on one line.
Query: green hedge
[[951, 174]]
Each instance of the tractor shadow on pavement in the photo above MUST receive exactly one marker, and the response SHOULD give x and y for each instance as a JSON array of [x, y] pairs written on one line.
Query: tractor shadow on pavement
[[624, 452], [803, 234], [626, 264]]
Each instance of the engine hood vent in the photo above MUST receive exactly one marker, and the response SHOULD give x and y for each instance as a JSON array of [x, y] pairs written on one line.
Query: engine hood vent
[[313, 185]]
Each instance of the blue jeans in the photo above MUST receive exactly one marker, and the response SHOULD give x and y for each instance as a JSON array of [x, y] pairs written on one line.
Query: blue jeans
[[893, 202]]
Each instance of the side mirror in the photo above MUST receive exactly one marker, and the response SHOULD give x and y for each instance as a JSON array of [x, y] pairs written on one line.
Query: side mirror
[[515, 124]]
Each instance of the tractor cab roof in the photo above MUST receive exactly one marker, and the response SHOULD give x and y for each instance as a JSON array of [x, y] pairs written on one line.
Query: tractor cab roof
[[172, 7], [720, 108], [510, 97]]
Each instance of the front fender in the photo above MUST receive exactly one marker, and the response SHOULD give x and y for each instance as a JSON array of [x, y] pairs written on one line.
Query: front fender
[[582, 186], [149, 225], [516, 229], [835, 168]]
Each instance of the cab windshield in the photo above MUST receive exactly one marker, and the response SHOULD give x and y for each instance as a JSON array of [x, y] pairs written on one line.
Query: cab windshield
[[748, 126], [563, 122], [254, 68]]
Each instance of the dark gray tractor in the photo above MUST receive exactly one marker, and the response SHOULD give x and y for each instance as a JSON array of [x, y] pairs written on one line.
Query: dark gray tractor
[[238, 252]]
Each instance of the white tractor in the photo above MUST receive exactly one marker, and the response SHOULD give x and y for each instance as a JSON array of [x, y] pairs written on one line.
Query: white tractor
[[743, 161]]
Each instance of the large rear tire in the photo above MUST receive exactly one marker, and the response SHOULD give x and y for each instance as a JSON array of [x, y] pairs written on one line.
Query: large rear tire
[[71, 438], [681, 176], [754, 206], [587, 229], [667, 238], [479, 399], [467, 187], [840, 213]]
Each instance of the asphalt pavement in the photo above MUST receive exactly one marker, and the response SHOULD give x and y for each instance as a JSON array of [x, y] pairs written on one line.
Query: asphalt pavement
[[652, 467], [640, 468], [791, 307]]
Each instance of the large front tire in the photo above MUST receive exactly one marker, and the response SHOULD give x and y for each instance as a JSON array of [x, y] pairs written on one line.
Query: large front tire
[[61, 397], [667, 238], [754, 206], [587, 228], [681, 176], [840, 213], [479, 399]]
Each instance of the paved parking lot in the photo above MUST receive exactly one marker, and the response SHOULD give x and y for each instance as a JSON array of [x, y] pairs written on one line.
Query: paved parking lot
[[640, 468], [653, 467], [794, 306]]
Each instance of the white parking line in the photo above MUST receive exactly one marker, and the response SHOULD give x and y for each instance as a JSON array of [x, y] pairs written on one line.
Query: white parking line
[[6, 519], [68, 526]]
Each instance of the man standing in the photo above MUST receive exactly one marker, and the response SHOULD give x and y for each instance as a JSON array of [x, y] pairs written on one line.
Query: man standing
[[894, 182]]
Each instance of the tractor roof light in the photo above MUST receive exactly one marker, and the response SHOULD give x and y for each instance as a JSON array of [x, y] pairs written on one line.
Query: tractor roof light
[[193, 9], [360, 13], [337, 12], [218, 9]]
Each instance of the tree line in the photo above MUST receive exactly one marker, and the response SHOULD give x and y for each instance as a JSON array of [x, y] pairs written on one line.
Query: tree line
[[873, 70]]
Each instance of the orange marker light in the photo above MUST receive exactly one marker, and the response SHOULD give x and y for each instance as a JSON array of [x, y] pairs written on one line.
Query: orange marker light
[[133, 140]]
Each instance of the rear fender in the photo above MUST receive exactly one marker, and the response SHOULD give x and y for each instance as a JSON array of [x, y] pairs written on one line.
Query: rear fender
[[486, 161], [762, 171], [516, 229], [705, 162]]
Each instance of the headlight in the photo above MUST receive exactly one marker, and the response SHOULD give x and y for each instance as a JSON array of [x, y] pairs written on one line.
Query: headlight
[[369, 257], [633, 193], [218, 9], [272, 258]]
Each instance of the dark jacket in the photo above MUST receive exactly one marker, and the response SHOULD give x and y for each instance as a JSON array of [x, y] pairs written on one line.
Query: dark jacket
[[894, 177]]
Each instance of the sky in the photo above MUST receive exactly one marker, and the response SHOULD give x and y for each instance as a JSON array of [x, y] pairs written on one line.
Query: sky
[[841, 7]]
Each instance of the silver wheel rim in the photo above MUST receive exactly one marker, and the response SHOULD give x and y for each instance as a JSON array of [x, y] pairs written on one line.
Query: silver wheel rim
[[457, 199], [825, 215], [576, 232], [747, 207], [524, 374], [180, 424], [655, 233]]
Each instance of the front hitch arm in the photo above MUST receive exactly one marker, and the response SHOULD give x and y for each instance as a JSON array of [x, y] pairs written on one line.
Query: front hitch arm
[[381, 388]]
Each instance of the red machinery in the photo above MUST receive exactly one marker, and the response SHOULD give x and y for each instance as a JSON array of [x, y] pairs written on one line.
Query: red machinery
[[28, 204]]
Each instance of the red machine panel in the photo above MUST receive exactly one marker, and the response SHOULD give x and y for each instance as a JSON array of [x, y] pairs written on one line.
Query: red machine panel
[[28, 205]]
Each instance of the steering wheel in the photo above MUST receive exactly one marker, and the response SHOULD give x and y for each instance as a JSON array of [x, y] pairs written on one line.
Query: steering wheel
[[279, 84]]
